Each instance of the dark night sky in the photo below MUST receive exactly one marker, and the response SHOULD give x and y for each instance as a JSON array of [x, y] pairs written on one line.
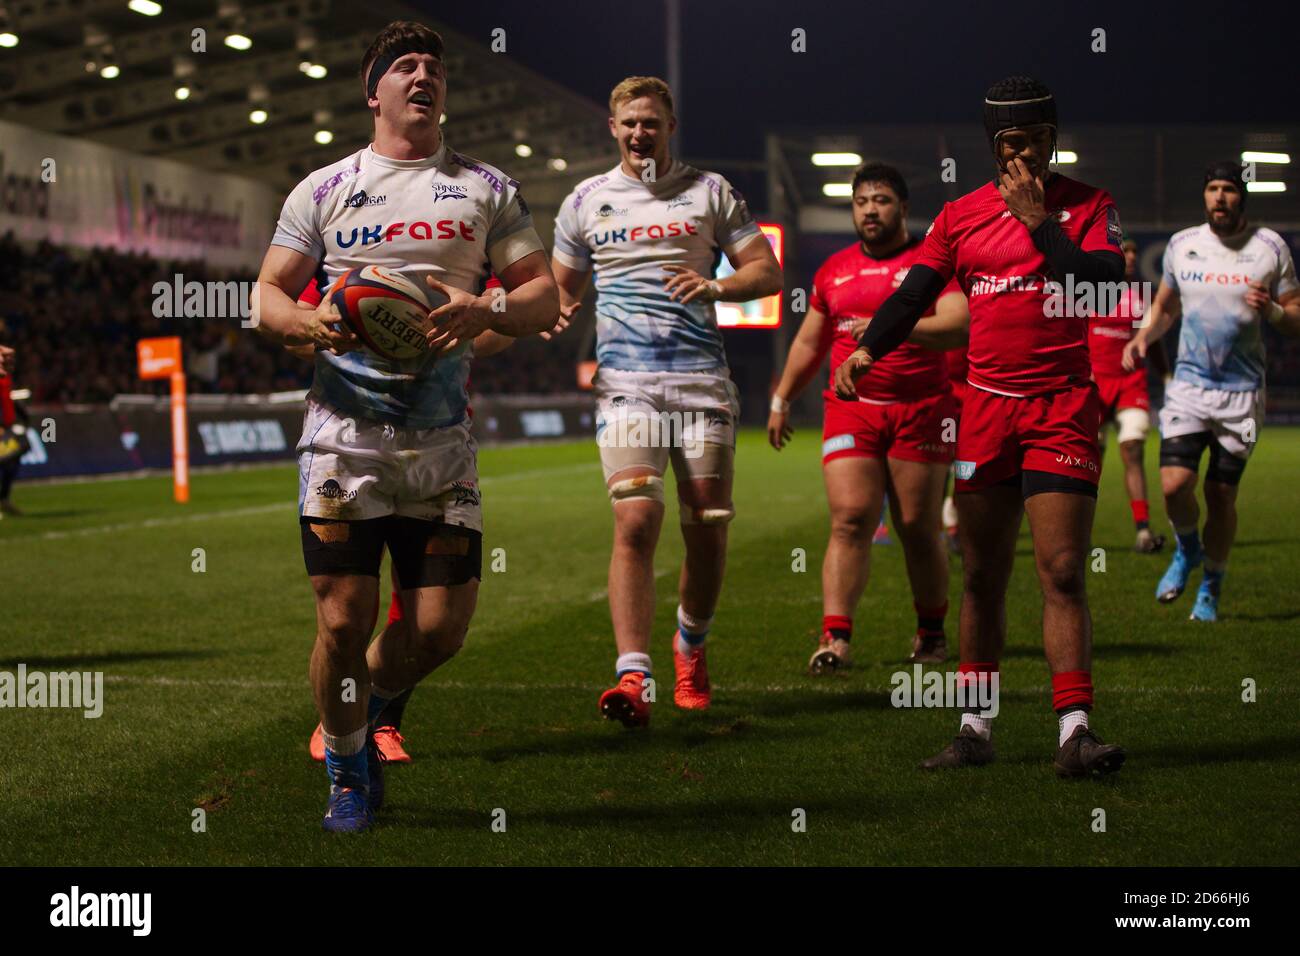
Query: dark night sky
[[916, 61]]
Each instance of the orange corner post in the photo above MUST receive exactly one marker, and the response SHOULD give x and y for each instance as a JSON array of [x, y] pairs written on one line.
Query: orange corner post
[[161, 358]]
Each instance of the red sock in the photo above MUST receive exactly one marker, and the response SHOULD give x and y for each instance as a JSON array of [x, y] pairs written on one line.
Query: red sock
[[929, 620], [1141, 516], [1071, 689], [968, 671], [395, 608], [837, 625]]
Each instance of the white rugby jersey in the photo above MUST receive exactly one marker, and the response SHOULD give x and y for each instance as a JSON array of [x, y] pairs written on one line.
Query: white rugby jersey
[[1221, 344], [448, 216], [628, 230]]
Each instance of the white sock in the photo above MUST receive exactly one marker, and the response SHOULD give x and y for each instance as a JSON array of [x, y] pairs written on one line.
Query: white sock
[[632, 662], [346, 744], [1069, 721], [949, 512], [981, 725]]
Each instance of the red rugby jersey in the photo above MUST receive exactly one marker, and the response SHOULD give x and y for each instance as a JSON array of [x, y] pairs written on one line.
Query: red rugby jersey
[[7, 414], [1108, 334], [957, 365], [1014, 348], [850, 286]]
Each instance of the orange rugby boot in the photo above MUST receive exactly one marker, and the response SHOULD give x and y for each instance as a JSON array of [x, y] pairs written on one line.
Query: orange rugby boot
[[626, 701], [692, 691], [317, 745], [390, 741]]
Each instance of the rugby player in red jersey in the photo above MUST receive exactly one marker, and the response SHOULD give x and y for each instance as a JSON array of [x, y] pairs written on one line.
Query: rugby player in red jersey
[[898, 436], [1125, 399], [1027, 440], [957, 376]]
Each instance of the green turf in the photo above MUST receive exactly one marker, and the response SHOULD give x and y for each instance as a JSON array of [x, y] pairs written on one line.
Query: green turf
[[208, 704]]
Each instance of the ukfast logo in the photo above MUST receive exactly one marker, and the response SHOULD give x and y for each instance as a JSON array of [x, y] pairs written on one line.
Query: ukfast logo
[[1213, 278], [637, 233], [421, 231]]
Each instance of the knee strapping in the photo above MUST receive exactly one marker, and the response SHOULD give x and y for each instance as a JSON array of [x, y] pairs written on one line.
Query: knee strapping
[[1224, 467], [644, 487], [714, 516], [1183, 451], [1134, 423]]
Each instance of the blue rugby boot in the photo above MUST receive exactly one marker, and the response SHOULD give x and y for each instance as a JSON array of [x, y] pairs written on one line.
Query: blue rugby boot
[[1175, 580], [348, 811]]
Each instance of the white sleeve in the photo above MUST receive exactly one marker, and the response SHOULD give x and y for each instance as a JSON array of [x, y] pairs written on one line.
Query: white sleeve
[[734, 225], [511, 235], [1286, 278], [298, 227], [570, 248], [1167, 271]]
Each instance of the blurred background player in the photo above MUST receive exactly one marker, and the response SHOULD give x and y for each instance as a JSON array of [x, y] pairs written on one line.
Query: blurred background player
[[899, 436], [1125, 395], [957, 377], [1027, 441], [386, 458], [651, 229], [1224, 277], [13, 427]]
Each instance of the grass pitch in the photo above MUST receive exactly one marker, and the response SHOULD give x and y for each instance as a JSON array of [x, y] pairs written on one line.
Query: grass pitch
[[207, 701]]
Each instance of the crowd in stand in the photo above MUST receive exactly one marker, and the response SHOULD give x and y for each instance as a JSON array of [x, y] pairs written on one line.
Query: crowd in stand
[[73, 320]]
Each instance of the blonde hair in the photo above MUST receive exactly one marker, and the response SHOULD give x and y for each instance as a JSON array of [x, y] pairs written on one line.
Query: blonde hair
[[637, 86]]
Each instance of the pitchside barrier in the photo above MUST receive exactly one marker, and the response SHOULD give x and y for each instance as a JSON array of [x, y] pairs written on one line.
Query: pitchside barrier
[[134, 432]]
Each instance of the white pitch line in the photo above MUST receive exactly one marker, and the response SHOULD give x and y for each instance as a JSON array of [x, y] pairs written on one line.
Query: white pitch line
[[155, 522], [265, 509]]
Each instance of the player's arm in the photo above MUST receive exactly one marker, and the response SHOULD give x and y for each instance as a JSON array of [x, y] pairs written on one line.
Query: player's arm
[[6, 359], [529, 306], [307, 352], [285, 273], [806, 354], [890, 326], [1283, 312], [1160, 315], [948, 328], [1024, 196], [757, 275]]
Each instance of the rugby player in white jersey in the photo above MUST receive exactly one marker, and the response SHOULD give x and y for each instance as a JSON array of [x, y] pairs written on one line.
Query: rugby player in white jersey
[[651, 229], [1225, 278], [386, 456]]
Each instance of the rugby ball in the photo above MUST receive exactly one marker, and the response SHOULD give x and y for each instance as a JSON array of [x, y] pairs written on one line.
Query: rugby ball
[[388, 312]]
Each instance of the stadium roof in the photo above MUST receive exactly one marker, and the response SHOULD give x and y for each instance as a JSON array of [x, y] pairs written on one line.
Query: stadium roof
[[1154, 173], [101, 70]]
